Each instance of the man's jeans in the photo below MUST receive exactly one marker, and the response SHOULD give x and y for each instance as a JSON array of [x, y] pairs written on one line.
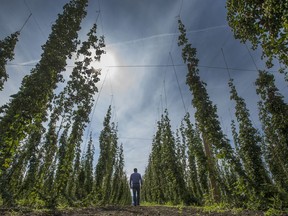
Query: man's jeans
[[136, 194]]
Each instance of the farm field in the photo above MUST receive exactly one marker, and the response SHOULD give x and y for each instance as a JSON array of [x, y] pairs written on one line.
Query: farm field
[[129, 210]]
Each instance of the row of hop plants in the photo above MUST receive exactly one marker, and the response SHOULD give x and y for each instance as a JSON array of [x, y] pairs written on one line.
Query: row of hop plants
[[45, 165], [197, 164]]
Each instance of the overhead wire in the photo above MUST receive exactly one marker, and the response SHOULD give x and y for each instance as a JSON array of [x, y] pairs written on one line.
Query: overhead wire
[[35, 20], [165, 94], [180, 9], [255, 65], [114, 116], [164, 91], [227, 68], [93, 112], [101, 20], [158, 66], [165, 72], [108, 72], [167, 65], [98, 14], [99, 93], [179, 88], [251, 57], [25, 22], [161, 105], [253, 60], [229, 75]]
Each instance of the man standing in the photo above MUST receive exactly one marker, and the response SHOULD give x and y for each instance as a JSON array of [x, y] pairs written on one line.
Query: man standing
[[135, 185]]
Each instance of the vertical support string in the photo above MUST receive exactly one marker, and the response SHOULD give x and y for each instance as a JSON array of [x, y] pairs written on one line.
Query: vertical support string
[[178, 83], [226, 64], [25, 22]]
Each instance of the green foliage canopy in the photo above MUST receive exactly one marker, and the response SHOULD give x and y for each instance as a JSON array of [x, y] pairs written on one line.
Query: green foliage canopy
[[263, 23], [7, 46]]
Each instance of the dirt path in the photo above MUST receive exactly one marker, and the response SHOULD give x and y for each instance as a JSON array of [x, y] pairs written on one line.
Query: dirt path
[[149, 210], [126, 211]]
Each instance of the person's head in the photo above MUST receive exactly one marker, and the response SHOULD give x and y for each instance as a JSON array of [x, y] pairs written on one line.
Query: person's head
[[135, 169]]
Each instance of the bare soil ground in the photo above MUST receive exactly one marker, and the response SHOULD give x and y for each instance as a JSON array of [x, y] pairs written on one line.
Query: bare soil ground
[[126, 210]]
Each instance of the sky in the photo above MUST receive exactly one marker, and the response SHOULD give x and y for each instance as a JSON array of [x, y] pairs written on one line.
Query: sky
[[143, 64]]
